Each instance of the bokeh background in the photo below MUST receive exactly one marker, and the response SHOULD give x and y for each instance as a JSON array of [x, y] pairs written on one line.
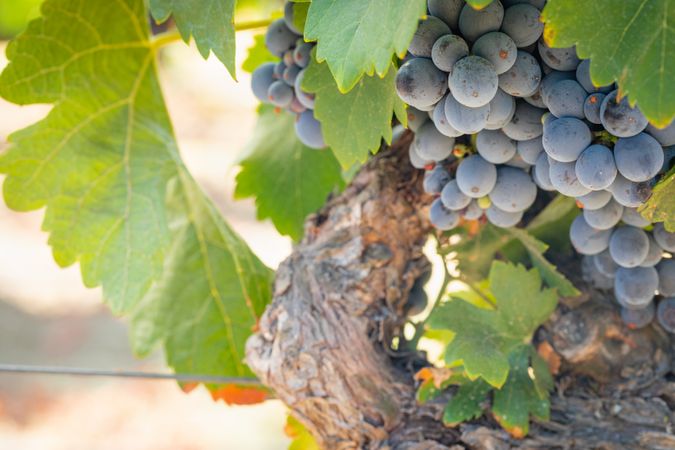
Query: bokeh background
[[48, 318]]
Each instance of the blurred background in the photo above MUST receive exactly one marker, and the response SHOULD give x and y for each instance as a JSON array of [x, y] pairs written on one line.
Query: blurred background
[[47, 317]]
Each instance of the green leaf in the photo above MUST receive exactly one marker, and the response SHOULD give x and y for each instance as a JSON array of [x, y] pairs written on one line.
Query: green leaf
[[518, 399], [258, 54], [484, 338], [475, 253], [479, 4], [661, 205], [359, 37], [287, 179], [101, 163], [355, 123], [210, 22], [631, 41], [466, 403], [302, 440]]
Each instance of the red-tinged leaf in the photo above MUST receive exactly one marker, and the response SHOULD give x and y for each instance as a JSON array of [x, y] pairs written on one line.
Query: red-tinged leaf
[[238, 395]]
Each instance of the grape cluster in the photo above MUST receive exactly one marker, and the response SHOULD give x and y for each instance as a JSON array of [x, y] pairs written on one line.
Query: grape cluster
[[538, 123], [280, 83]]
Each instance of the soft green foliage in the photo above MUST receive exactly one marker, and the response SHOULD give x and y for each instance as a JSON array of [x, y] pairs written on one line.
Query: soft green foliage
[[631, 41], [357, 37], [101, 163], [210, 22], [354, 123], [479, 4], [485, 338], [302, 440], [258, 54], [15, 14], [520, 397], [287, 179], [466, 403], [661, 206]]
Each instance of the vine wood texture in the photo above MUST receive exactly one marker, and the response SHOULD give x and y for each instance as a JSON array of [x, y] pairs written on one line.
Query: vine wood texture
[[338, 300]]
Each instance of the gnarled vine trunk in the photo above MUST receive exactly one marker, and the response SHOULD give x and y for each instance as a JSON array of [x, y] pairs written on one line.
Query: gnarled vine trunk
[[323, 344]]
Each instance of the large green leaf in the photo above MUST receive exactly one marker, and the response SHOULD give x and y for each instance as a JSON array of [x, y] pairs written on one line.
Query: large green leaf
[[100, 163], [630, 41], [210, 22], [485, 338], [466, 403], [661, 206], [287, 179], [354, 123], [357, 37]]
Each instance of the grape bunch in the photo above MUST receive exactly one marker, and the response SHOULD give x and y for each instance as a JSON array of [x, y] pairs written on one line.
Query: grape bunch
[[280, 83]]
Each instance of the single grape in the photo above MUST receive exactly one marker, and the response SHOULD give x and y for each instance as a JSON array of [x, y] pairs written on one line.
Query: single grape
[[473, 81], [474, 23], [631, 216], [473, 211], [420, 84], [415, 159], [525, 123], [453, 198], [604, 218], [447, 50], [629, 246], [583, 75], [665, 136], [305, 98], [503, 219], [279, 69], [592, 106], [666, 271], [635, 287], [664, 238], [619, 118], [566, 99], [605, 264], [428, 31], [431, 145], [296, 106], [638, 158], [665, 314], [593, 276], [495, 146], [540, 173], [302, 54], [261, 80], [523, 78], [562, 59], [522, 23], [441, 122], [498, 48], [280, 94], [441, 217], [279, 38], [308, 130], [539, 4], [628, 193], [564, 179], [475, 176], [595, 168], [416, 118], [289, 18], [288, 58], [435, 179], [654, 255], [463, 118], [564, 139], [536, 99], [530, 150], [446, 10], [291, 74], [518, 163], [502, 109], [638, 318], [594, 199], [586, 239], [514, 190], [551, 80]]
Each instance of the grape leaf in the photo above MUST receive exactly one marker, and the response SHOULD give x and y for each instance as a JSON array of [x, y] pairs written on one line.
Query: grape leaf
[[484, 338], [354, 123], [466, 403], [210, 22], [105, 164], [258, 54], [287, 179], [357, 37], [519, 398], [631, 41], [479, 4], [302, 440], [661, 205]]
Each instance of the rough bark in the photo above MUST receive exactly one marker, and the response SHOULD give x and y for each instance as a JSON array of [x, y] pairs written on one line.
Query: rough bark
[[323, 344]]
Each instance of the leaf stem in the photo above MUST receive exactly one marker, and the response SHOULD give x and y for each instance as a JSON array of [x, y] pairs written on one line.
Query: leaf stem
[[253, 24]]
